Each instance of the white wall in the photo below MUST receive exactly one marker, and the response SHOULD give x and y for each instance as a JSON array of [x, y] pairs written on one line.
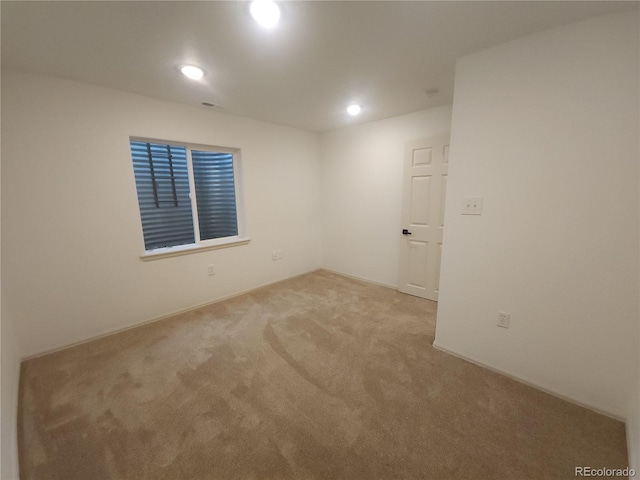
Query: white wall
[[362, 192], [633, 407], [10, 375], [71, 234], [9, 384], [633, 427], [545, 128]]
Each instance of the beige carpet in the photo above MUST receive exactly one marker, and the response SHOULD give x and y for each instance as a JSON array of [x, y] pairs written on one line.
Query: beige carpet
[[318, 377]]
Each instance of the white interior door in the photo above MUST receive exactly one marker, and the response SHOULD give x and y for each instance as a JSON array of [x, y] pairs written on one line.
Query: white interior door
[[425, 186]]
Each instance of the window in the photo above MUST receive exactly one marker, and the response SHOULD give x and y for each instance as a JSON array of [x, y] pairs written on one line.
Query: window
[[187, 196]]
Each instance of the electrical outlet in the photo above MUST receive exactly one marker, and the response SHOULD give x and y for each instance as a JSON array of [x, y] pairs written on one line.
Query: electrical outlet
[[472, 206], [503, 319], [211, 270], [276, 255]]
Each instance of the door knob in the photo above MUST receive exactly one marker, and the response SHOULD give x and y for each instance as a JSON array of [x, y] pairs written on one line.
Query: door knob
[[406, 232]]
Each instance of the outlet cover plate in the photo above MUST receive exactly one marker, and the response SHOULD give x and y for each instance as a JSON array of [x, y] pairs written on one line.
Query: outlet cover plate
[[472, 206], [503, 319]]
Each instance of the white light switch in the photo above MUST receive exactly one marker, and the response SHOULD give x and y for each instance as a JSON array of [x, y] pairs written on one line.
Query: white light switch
[[472, 206]]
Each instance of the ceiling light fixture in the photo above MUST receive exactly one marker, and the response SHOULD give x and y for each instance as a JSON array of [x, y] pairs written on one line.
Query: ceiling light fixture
[[354, 109], [192, 72], [265, 12]]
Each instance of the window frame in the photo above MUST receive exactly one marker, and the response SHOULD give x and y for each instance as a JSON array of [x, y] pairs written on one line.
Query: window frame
[[200, 245]]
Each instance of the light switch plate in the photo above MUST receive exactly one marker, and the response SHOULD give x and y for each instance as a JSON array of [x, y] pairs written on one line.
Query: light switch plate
[[472, 206]]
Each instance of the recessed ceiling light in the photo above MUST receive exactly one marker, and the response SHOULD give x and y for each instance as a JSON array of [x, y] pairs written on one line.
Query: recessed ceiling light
[[192, 72], [354, 109], [265, 12]]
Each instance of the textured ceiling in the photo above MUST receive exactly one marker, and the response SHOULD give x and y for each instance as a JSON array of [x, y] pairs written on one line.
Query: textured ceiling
[[303, 73]]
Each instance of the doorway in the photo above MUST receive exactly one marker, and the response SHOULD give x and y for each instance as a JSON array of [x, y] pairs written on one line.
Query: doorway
[[424, 191]]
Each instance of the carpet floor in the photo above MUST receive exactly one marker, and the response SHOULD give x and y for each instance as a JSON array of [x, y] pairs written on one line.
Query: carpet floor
[[316, 377]]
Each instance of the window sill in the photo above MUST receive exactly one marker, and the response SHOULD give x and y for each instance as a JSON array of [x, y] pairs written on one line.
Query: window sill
[[193, 248]]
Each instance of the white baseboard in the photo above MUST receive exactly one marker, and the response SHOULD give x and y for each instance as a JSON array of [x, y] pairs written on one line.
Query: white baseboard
[[531, 383], [362, 279], [130, 326], [113, 331]]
